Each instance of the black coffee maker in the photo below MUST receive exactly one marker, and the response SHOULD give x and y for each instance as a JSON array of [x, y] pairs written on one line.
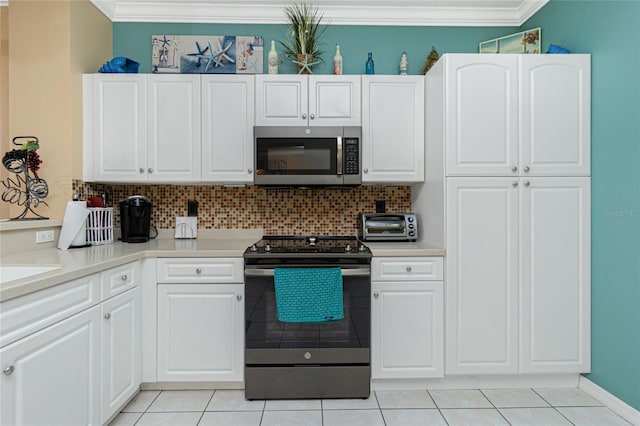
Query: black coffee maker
[[135, 219]]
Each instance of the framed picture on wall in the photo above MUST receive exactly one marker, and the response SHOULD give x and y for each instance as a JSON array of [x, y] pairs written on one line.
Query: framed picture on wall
[[523, 42], [207, 54]]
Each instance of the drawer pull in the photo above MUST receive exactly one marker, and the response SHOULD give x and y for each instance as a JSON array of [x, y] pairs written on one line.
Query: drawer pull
[[198, 271], [124, 278], [376, 294], [9, 370], [408, 268], [239, 297], [107, 316]]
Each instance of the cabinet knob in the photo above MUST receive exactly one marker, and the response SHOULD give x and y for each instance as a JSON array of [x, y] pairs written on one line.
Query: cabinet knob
[[141, 170], [376, 294], [249, 170], [312, 116], [408, 268], [526, 169], [527, 183], [107, 316], [514, 184], [304, 116], [9, 370], [150, 170], [124, 278], [514, 169], [198, 271], [366, 170], [239, 297]]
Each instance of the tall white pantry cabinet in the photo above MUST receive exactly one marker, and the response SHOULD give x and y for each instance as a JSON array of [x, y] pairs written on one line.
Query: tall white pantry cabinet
[[507, 192]]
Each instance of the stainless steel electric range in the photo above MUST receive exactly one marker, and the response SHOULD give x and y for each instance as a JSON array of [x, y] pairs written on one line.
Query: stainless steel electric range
[[290, 360]]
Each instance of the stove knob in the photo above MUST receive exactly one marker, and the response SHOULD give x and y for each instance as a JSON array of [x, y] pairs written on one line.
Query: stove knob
[[348, 248], [361, 248], [254, 248], [267, 248]]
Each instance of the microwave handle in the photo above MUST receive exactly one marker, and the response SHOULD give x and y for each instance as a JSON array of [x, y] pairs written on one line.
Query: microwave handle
[[339, 154]]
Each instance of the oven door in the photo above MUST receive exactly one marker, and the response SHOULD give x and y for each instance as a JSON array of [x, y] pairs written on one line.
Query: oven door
[[293, 156], [269, 341]]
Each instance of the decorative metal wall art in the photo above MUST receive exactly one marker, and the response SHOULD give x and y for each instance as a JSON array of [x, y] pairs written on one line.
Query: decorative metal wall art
[[26, 188]]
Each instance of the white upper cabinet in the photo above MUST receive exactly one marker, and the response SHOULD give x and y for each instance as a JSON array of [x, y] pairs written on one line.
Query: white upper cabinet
[[555, 110], [307, 100], [142, 128], [173, 141], [115, 126], [517, 115], [481, 114], [227, 128], [392, 129]]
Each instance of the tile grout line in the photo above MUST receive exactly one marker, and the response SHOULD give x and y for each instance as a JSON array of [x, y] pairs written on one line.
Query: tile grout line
[[437, 407], [554, 407], [494, 406]]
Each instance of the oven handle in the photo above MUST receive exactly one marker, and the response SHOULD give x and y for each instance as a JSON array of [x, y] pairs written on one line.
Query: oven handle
[[360, 272]]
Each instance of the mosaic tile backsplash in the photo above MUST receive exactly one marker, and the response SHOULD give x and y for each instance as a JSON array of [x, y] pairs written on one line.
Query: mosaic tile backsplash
[[277, 211]]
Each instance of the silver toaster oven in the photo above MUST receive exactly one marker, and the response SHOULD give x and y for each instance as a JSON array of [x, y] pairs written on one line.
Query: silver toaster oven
[[387, 227]]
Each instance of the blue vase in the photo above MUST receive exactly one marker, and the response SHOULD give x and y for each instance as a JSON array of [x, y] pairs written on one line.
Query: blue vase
[[369, 64]]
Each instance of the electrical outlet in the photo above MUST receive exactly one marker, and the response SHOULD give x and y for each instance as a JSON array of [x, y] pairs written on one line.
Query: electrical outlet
[[44, 236]]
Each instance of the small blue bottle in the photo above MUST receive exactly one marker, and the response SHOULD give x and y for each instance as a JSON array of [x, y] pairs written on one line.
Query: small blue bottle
[[369, 64]]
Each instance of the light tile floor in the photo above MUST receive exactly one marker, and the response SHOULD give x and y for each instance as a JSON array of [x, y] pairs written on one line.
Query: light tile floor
[[516, 407]]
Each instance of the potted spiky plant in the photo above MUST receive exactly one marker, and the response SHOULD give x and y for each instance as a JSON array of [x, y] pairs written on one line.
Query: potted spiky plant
[[302, 43]]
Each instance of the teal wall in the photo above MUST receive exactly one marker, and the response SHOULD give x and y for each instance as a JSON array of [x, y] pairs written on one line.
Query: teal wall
[[133, 40], [609, 30]]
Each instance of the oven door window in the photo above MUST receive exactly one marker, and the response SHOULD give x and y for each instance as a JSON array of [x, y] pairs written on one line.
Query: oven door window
[[296, 156], [265, 331]]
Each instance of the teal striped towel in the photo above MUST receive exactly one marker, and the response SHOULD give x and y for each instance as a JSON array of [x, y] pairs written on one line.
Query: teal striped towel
[[309, 294]]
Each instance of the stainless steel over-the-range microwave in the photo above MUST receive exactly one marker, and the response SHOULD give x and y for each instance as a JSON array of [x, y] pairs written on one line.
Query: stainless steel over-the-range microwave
[[307, 156]]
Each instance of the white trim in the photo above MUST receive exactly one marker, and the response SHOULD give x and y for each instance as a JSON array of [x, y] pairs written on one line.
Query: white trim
[[507, 381], [612, 402], [336, 13], [4, 3]]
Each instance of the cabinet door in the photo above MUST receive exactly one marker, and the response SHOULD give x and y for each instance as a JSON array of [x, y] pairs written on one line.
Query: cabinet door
[[281, 100], [121, 350], [334, 100], [406, 330], [118, 119], [200, 332], [227, 128], [555, 114], [555, 276], [481, 124], [482, 273], [52, 377], [173, 128], [393, 129]]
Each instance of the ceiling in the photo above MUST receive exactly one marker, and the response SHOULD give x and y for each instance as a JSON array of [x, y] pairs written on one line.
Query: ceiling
[[337, 12]]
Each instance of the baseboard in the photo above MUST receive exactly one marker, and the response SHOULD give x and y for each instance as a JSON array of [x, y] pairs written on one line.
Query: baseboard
[[191, 385], [612, 402], [481, 382]]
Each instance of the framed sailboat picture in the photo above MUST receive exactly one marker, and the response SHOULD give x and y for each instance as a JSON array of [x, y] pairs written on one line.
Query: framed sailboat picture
[[522, 42]]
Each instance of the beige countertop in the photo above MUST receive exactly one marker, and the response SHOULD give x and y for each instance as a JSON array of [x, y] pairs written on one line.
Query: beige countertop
[[76, 263], [404, 248]]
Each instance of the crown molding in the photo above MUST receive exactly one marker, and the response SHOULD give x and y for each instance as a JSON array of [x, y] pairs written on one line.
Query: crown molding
[[406, 13], [4, 3]]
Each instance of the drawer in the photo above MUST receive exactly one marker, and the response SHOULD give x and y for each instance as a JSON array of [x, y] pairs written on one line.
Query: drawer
[[27, 314], [200, 270], [119, 279], [407, 269]]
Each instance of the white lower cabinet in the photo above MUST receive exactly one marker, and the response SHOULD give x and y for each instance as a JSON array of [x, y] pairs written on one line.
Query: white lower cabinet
[[52, 377], [407, 318], [121, 350], [200, 332], [518, 274]]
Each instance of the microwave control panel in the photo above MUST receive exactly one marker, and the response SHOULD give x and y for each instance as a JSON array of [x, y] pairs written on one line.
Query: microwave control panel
[[351, 156]]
